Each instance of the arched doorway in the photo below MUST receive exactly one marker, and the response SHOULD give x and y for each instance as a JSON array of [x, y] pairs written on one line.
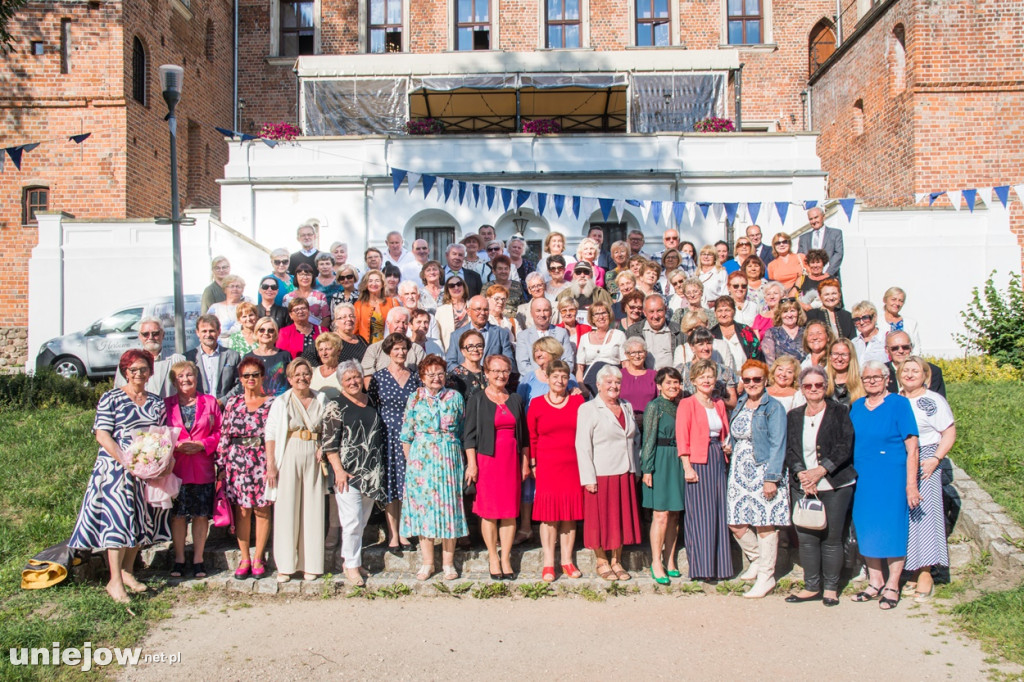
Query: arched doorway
[[534, 232], [439, 229], [821, 44]]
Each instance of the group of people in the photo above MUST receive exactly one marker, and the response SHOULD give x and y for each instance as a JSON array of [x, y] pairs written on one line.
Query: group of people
[[728, 392]]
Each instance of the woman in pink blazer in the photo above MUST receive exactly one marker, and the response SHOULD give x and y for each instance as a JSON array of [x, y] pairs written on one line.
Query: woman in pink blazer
[[198, 417], [702, 436]]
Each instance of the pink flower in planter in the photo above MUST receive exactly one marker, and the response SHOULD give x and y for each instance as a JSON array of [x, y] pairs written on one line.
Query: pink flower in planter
[[714, 124], [424, 126], [279, 131], [542, 126]]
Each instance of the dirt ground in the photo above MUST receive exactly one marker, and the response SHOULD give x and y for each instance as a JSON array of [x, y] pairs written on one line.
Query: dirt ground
[[647, 636]]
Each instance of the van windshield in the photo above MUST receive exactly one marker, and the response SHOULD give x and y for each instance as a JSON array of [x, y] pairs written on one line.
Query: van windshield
[[121, 321]]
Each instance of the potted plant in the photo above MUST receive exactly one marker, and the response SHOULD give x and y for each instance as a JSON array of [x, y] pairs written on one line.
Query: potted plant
[[714, 124], [279, 131], [542, 126], [424, 126]]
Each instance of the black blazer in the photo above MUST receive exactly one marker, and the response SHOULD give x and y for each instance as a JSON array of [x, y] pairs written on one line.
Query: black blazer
[[223, 385], [835, 444], [278, 314], [478, 429], [844, 320], [937, 384], [473, 282]]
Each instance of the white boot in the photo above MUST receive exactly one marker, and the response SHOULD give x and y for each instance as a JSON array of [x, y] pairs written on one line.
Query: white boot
[[748, 543], [768, 548]]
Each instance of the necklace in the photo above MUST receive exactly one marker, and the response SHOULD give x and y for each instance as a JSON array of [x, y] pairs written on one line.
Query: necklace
[[812, 419], [553, 403]]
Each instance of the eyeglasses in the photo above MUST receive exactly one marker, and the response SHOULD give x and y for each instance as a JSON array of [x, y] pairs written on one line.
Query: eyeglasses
[[266, 330], [346, 278], [781, 241], [679, 283], [500, 372], [636, 352], [738, 286], [137, 370], [863, 318], [816, 386], [280, 262], [600, 313], [556, 268], [473, 346], [872, 379], [493, 248], [268, 287], [788, 299], [840, 355], [434, 375], [151, 335], [251, 375], [906, 347], [753, 380]]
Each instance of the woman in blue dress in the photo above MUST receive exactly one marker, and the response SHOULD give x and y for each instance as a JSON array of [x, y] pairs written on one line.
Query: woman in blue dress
[[885, 456], [390, 389], [115, 516]]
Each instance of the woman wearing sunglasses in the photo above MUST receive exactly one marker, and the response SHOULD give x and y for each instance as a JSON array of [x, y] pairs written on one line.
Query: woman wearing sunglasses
[[786, 266], [344, 291], [279, 260], [270, 287], [453, 313]]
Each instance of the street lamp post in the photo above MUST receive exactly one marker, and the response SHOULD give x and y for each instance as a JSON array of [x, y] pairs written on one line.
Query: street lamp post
[[171, 77]]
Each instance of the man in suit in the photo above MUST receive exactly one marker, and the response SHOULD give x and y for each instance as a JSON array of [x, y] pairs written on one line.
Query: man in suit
[[497, 340], [828, 239], [307, 235], [899, 347], [604, 258], [455, 256], [760, 249], [218, 366], [540, 313]]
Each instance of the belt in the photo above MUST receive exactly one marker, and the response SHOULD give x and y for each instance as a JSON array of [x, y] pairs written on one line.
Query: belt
[[248, 441], [666, 441], [304, 434]]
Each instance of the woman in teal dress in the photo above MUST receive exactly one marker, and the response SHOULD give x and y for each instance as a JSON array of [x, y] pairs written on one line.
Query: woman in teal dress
[[664, 485], [885, 456], [431, 438]]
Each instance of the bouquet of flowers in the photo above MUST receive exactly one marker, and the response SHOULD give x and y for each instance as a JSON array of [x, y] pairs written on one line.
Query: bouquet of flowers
[[150, 457]]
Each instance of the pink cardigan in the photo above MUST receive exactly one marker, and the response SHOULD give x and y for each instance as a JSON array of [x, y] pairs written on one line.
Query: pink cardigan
[[196, 468], [692, 432]]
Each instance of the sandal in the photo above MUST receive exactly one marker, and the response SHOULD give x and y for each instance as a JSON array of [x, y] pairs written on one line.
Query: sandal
[[449, 573], [356, 582], [865, 596], [887, 604], [244, 567], [571, 571], [178, 570], [548, 574], [199, 570], [605, 572], [522, 536], [426, 570], [258, 569], [620, 572], [922, 597]]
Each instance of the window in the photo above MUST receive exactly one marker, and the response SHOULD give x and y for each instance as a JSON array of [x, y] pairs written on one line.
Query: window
[[297, 28], [745, 22], [897, 60], [563, 23], [65, 45], [120, 322], [821, 45], [858, 118], [652, 23], [386, 25], [438, 238], [613, 232], [37, 48], [211, 41], [473, 25], [139, 71], [34, 199]]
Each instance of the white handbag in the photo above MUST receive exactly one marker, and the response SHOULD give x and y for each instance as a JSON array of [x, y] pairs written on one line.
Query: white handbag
[[809, 513]]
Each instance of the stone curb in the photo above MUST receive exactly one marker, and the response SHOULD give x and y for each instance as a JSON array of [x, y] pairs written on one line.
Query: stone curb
[[988, 524]]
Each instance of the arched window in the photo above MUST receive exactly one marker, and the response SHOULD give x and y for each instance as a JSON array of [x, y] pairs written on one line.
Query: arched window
[[210, 45], [140, 72], [897, 60], [858, 118], [820, 45]]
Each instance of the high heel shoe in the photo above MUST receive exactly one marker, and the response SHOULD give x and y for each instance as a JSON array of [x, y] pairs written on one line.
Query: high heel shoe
[[662, 580]]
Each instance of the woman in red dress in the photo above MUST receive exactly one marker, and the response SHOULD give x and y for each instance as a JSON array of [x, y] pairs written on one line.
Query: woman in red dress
[[497, 460], [558, 504]]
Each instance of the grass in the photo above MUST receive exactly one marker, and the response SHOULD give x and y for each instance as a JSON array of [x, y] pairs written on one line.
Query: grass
[[998, 619], [46, 456], [990, 429]]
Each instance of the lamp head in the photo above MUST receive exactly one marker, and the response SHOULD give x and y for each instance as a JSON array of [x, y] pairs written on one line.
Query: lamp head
[[172, 78]]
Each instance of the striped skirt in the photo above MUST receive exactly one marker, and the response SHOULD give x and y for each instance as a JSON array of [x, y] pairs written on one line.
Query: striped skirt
[[926, 542], [705, 532]]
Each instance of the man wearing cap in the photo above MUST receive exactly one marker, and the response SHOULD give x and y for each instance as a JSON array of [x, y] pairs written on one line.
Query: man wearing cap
[[583, 290]]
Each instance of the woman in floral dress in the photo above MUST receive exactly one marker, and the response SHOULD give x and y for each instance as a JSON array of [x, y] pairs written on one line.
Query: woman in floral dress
[[431, 439], [242, 462]]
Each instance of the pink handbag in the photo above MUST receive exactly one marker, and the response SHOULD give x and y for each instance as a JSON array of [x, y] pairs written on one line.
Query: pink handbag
[[222, 514]]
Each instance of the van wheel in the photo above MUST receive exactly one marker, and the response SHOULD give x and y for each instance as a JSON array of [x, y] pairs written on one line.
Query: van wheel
[[69, 367]]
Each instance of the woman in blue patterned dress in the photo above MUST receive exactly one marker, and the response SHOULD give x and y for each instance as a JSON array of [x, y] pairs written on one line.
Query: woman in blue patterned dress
[[115, 516], [431, 440], [390, 389], [787, 336]]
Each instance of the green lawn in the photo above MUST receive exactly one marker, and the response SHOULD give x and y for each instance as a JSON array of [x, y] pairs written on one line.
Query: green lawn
[[46, 456]]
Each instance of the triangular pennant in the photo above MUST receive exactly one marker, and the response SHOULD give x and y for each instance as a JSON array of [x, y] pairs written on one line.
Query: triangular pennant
[[559, 200], [704, 206], [521, 197], [645, 211], [678, 209], [462, 191], [80, 138], [489, 195], [691, 213], [985, 194], [970, 196], [847, 205], [719, 211], [269, 143], [15, 154], [506, 197], [576, 201], [246, 137], [808, 205], [29, 147], [656, 207], [606, 207], [413, 179], [954, 198], [542, 202], [918, 196], [620, 208], [397, 176], [223, 131], [449, 185], [476, 194], [753, 210], [730, 211], [1018, 188], [636, 202], [782, 208], [1003, 192], [932, 196], [428, 183]]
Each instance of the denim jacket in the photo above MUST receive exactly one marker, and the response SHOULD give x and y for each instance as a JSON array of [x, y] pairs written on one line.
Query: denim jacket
[[768, 426]]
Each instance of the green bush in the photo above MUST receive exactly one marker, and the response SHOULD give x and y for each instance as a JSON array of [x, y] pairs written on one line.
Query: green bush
[[46, 388], [982, 369], [995, 323]]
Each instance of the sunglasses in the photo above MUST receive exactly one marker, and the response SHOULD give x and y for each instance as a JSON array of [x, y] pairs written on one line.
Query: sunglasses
[[556, 268], [493, 248], [863, 318], [903, 347], [266, 330], [268, 287], [251, 375], [788, 299], [753, 380], [743, 244], [781, 241], [280, 262], [346, 278], [453, 284], [151, 335], [739, 286], [816, 386]]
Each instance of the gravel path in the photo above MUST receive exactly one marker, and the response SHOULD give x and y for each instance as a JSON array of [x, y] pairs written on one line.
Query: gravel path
[[638, 637]]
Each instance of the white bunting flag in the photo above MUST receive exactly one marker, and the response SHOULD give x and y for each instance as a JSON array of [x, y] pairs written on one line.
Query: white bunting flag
[[954, 197]]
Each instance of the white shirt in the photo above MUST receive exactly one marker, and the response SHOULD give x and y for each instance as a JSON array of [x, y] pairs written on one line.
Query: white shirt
[[411, 271], [714, 422], [810, 443], [933, 417], [211, 364], [871, 350], [609, 351]]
